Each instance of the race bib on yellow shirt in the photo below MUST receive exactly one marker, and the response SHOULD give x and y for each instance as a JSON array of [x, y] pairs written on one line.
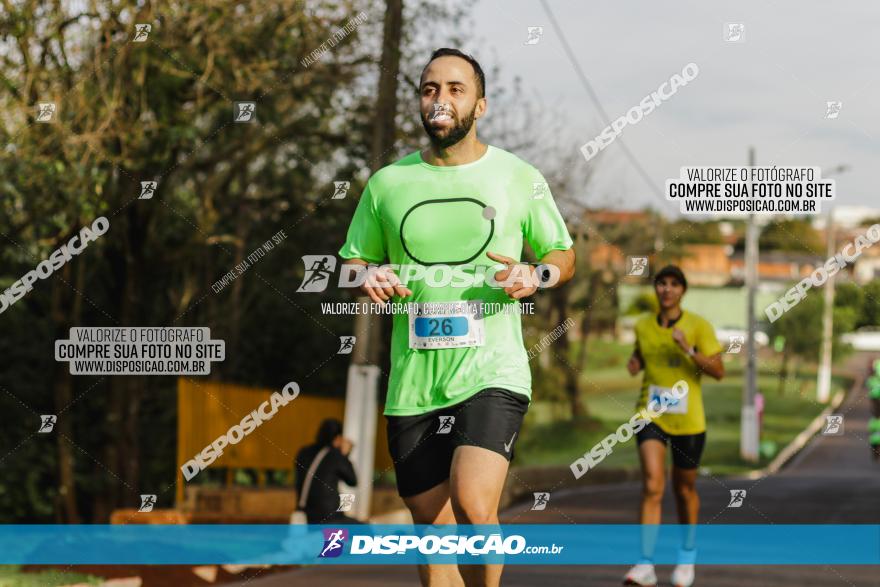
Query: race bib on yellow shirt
[[674, 404], [446, 325]]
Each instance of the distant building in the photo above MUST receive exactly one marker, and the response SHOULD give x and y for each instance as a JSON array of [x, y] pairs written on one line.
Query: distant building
[[607, 256], [867, 266], [847, 217], [706, 264], [719, 265], [617, 216], [776, 266]]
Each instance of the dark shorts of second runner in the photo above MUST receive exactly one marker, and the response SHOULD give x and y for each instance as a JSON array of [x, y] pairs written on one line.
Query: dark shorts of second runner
[[422, 453], [687, 449]]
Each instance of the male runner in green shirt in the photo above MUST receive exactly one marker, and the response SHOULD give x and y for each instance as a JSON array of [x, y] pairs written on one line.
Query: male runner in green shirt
[[460, 382]]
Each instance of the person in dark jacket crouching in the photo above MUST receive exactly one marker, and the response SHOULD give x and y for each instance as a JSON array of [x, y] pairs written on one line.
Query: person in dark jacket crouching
[[323, 502]]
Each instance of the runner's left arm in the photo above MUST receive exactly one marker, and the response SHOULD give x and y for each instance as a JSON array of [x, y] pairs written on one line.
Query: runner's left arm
[[705, 351], [547, 234], [564, 261], [711, 365]]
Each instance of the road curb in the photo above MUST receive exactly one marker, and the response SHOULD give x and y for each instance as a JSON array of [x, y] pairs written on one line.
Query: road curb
[[801, 440]]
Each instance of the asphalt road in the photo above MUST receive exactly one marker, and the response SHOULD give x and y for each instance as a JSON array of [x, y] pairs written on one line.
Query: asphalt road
[[832, 481]]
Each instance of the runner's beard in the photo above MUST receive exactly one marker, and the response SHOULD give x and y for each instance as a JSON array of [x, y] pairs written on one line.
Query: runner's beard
[[454, 133]]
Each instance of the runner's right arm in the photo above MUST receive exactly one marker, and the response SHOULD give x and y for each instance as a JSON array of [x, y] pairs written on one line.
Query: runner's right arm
[[635, 363], [380, 283], [364, 245]]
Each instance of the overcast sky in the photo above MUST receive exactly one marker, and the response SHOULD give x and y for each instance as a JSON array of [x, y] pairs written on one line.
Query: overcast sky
[[769, 91]]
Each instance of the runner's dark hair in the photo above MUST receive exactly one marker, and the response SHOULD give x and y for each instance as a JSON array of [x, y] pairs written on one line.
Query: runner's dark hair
[[674, 272], [478, 71]]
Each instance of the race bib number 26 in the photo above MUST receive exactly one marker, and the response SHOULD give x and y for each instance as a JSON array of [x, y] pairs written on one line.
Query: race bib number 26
[[445, 325]]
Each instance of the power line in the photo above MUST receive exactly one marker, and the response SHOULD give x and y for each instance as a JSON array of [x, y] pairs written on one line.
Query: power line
[[629, 154]]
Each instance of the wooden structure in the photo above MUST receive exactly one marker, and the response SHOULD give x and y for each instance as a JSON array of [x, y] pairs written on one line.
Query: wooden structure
[[208, 409]]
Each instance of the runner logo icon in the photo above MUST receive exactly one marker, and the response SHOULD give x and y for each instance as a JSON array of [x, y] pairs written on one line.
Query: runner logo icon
[[539, 188], [334, 543], [244, 111], [318, 269], [832, 109], [148, 188], [535, 33], [340, 189], [47, 423], [45, 111], [147, 503], [833, 425], [141, 32], [638, 266], [734, 32], [737, 496], [346, 500], [446, 423], [346, 345], [735, 343], [542, 498]]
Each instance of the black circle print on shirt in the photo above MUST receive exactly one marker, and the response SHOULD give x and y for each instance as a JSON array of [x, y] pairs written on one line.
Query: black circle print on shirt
[[453, 240]]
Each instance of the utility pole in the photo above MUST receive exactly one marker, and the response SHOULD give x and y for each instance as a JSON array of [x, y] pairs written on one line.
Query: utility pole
[[749, 432], [362, 389], [361, 409], [823, 383]]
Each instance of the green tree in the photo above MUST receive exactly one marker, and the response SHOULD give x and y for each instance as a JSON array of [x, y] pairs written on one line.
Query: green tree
[[801, 327], [791, 235], [849, 295], [644, 302], [163, 110], [870, 309], [690, 232]]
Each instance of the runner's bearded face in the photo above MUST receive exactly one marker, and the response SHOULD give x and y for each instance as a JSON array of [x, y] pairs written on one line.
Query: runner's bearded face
[[448, 102], [444, 125]]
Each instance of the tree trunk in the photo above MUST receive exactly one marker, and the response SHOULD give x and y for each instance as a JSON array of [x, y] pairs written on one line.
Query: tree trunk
[[783, 373], [587, 321], [121, 452], [131, 469], [381, 152], [572, 374], [386, 102], [63, 392], [108, 499], [241, 238], [585, 334], [132, 314]]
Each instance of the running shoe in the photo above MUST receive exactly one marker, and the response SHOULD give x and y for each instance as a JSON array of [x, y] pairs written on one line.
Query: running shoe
[[683, 576], [641, 574]]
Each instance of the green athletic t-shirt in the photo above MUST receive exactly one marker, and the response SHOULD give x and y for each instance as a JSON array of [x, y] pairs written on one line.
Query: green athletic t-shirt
[[413, 213]]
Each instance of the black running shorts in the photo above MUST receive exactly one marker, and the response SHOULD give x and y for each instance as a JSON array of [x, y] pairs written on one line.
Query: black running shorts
[[686, 448], [422, 446]]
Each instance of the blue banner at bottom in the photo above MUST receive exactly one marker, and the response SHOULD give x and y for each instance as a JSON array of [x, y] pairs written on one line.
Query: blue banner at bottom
[[528, 544]]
